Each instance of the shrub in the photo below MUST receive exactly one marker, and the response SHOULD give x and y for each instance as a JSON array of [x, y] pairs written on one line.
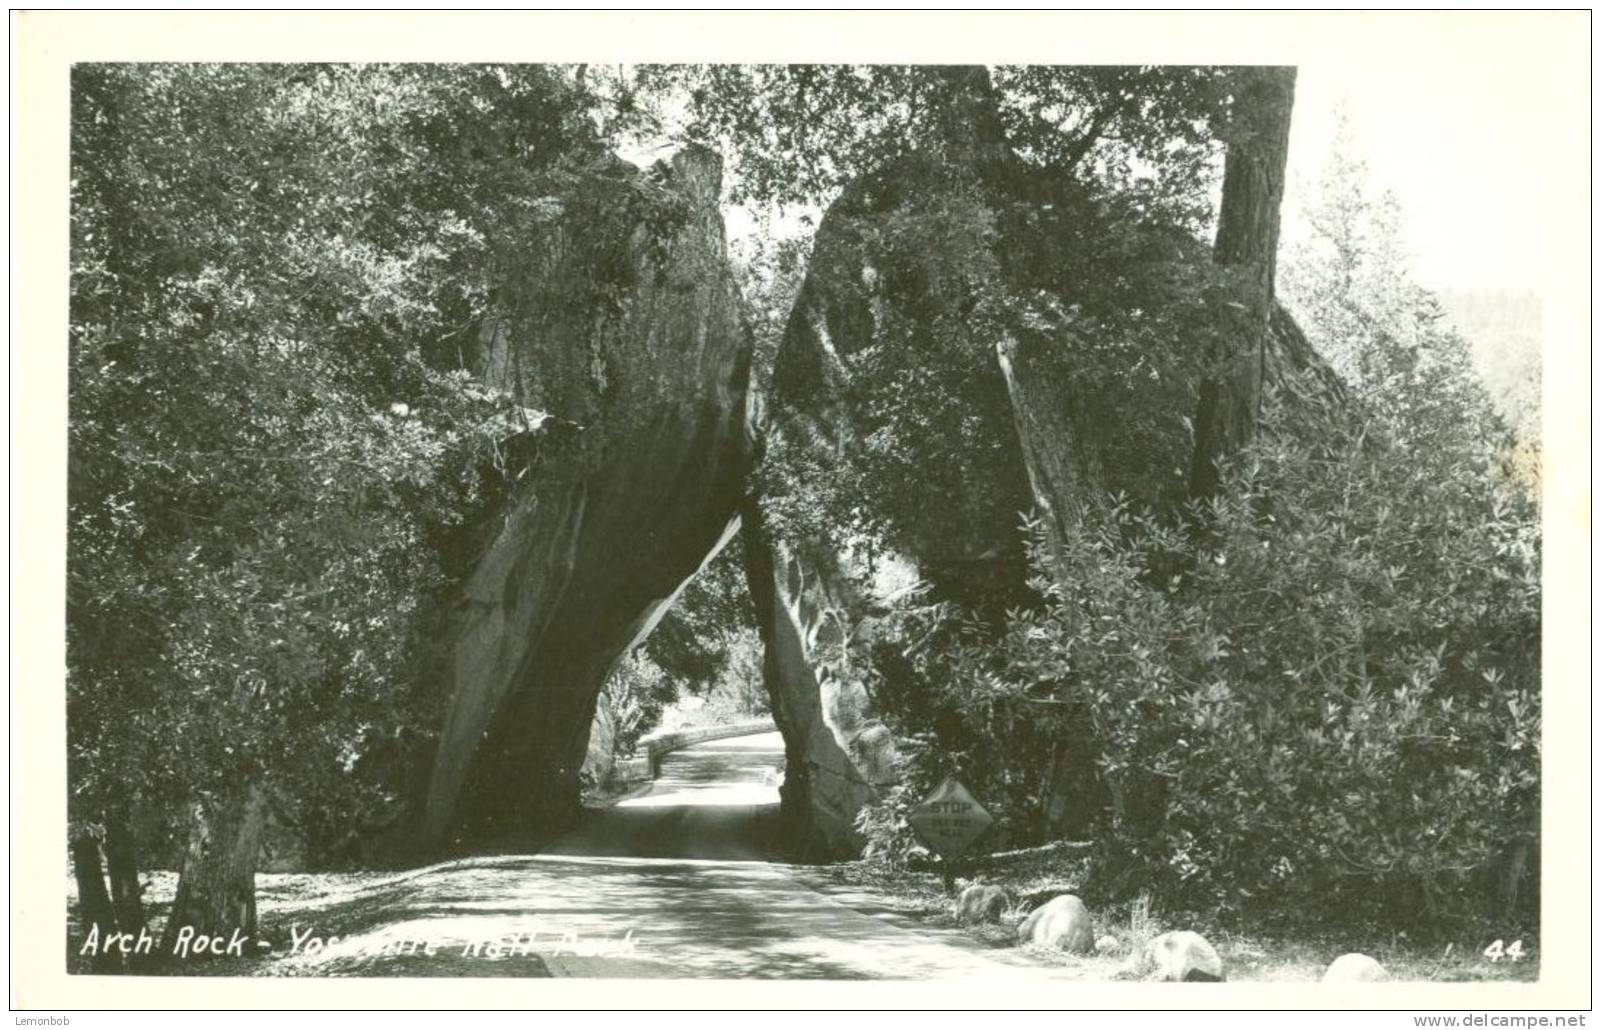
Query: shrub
[[1331, 695]]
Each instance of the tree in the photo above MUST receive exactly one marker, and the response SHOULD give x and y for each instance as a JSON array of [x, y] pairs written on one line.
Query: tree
[[1346, 274], [800, 133], [1247, 250], [1348, 280], [276, 448]]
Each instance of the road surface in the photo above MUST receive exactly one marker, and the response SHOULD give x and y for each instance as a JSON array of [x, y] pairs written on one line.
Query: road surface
[[671, 883]]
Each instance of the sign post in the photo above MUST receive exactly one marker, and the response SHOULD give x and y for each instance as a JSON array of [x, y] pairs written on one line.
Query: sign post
[[948, 821]]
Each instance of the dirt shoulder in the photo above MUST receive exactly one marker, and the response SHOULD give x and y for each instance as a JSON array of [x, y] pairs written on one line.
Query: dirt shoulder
[[919, 897]]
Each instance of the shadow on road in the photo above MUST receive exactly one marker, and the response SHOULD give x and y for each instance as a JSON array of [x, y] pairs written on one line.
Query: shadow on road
[[673, 883]]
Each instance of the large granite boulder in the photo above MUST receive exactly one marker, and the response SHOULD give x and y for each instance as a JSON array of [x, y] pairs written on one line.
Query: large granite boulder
[[618, 326], [974, 340]]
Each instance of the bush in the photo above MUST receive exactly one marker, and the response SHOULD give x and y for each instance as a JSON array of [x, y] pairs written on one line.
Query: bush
[[1331, 695], [1319, 690]]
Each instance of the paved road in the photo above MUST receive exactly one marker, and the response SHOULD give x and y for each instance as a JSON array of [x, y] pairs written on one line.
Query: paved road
[[671, 883]]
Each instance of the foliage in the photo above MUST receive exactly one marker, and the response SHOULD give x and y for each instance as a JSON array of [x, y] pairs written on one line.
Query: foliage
[[800, 133], [769, 264], [274, 441], [917, 274], [1352, 716], [1148, 133], [1346, 276], [691, 642], [886, 828], [1336, 705], [737, 694], [705, 655], [635, 696], [1347, 280]]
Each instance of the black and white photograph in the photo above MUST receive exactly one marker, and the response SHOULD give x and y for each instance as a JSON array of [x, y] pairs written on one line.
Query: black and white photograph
[[1054, 528]]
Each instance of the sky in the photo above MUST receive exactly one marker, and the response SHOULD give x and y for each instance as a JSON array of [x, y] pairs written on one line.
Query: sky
[[1456, 144]]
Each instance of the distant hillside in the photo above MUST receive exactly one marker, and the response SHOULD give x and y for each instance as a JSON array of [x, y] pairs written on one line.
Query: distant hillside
[[1503, 327]]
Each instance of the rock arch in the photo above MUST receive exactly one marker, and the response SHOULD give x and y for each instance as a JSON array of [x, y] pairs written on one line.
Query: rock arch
[[624, 326], [623, 331]]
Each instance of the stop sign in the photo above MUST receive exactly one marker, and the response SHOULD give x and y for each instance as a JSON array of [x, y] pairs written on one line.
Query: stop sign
[[950, 819]]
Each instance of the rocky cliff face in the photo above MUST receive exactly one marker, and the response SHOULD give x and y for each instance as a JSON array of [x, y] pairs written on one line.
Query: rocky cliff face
[[620, 322]]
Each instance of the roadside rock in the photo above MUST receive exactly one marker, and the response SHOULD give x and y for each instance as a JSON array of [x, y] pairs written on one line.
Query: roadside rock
[[981, 903], [1183, 955], [1062, 922], [1355, 967]]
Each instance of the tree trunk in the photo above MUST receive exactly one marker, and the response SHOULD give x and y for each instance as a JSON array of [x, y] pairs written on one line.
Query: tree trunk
[[1246, 249], [122, 868], [102, 914], [968, 114], [97, 918], [217, 885]]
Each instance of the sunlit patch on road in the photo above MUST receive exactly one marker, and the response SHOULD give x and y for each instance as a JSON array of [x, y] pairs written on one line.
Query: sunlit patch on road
[[737, 771], [675, 883]]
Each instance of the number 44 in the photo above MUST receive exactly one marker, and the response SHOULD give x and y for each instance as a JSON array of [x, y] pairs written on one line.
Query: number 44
[[1496, 952]]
